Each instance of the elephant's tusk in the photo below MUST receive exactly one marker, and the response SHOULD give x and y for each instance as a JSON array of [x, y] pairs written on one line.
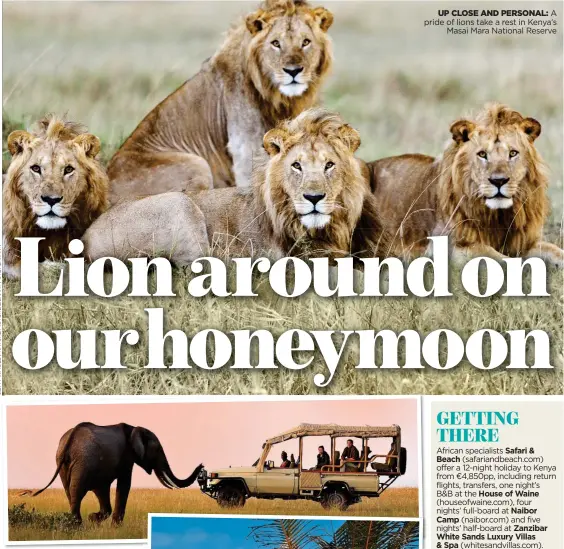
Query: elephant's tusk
[[170, 481], [163, 481]]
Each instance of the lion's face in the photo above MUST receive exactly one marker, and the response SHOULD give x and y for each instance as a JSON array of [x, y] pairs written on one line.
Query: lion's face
[[496, 158], [51, 175], [313, 181], [314, 172], [292, 50]]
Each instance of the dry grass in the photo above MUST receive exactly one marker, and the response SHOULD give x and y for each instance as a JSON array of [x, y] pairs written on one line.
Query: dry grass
[[395, 502], [276, 314], [400, 84]]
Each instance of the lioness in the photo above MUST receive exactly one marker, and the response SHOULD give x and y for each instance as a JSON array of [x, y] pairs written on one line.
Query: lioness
[[487, 190], [54, 188], [308, 198], [205, 133]]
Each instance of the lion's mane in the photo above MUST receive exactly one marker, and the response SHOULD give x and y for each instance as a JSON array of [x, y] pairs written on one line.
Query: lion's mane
[[18, 218], [355, 227], [513, 231]]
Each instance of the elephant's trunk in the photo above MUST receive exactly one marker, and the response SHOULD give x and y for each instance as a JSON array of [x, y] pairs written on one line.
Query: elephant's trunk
[[168, 479]]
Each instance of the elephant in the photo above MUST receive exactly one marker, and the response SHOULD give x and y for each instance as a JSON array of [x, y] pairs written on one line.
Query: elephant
[[90, 457]]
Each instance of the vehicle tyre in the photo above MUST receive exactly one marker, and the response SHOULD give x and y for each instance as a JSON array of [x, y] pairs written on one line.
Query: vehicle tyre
[[230, 496], [403, 461], [334, 498]]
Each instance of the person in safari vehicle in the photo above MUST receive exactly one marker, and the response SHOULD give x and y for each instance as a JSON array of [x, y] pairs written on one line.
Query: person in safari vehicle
[[285, 461], [390, 463], [349, 456], [322, 459]]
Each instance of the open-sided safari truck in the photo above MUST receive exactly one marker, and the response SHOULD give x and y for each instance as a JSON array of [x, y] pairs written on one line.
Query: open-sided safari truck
[[336, 485]]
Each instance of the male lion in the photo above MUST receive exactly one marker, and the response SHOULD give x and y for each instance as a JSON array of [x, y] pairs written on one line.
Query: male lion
[[54, 188], [205, 133], [308, 198], [487, 190]]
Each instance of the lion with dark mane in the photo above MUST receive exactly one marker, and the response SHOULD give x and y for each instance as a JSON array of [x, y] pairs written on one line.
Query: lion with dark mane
[[54, 188], [488, 190], [205, 134], [308, 198]]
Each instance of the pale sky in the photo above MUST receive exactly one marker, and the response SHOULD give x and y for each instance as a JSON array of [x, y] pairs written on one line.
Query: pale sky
[[219, 434]]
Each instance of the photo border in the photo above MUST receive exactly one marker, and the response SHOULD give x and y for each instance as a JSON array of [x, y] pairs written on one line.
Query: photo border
[[69, 400], [275, 517]]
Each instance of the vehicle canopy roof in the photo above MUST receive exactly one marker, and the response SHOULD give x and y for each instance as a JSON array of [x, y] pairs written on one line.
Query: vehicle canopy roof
[[333, 430]]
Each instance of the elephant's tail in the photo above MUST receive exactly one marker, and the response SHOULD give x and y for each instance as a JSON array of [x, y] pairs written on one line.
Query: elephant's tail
[[61, 461], [50, 482]]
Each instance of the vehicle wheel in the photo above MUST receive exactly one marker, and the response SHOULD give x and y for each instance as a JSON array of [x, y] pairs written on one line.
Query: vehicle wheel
[[335, 499], [230, 495], [403, 461]]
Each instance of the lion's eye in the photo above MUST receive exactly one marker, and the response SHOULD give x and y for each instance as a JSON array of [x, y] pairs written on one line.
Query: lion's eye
[[513, 153], [306, 42], [275, 43], [35, 168], [329, 165], [482, 154], [297, 166], [68, 169]]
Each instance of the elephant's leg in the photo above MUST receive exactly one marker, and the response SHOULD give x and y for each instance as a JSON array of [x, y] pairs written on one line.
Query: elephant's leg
[[103, 495], [63, 474], [122, 493], [77, 493]]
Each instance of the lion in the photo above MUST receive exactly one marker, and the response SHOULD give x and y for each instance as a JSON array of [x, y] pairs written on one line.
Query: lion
[[488, 191], [308, 198], [54, 188], [204, 134]]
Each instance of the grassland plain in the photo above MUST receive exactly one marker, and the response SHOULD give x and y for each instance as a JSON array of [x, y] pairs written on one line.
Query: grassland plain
[[395, 502], [401, 85]]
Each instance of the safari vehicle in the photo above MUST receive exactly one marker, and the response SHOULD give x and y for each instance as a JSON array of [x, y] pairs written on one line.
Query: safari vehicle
[[336, 485]]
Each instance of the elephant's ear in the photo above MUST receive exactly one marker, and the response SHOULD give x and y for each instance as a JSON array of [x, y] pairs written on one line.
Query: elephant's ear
[[138, 442]]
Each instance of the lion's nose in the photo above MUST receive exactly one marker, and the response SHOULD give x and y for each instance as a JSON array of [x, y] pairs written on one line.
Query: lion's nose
[[294, 71], [498, 181], [314, 198], [51, 200]]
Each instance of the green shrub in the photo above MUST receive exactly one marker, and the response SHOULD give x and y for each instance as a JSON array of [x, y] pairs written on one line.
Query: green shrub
[[19, 515]]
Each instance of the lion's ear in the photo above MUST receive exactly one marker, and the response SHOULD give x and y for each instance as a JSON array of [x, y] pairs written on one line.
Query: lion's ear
[[531, 127], [350, 137], [274, 141], [18, 140], [255, 22], [324, 18], [462, 130], [89, 143]]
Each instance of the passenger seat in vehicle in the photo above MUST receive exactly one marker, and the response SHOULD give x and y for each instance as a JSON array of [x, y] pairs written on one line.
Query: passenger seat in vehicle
[[337, 458]]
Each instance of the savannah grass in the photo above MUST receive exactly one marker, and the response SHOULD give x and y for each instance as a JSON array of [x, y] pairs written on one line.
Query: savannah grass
[[48, 521]]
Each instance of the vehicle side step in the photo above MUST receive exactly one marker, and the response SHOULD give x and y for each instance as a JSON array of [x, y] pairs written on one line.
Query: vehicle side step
[[384, 485]]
